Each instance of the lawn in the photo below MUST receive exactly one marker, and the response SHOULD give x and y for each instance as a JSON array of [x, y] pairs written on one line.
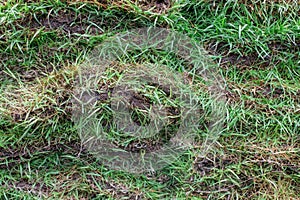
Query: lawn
[[254, 48]]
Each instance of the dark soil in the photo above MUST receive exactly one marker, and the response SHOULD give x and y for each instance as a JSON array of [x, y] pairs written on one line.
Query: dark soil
[[17, 156], [160, 6], [65, 20], [254, 60], [206, 166], [140, 102]]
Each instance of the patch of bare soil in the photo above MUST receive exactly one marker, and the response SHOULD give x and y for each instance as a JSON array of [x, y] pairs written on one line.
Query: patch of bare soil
[[206, 165], [71, 22], [65, 185], [138, 105], [41, 61], [140, 102], [253, 60], [259, 92], [12, 157], [159, 6], [66, 20], [264, 90], [244, 63], [64, 23], [117, 190], [277, 161]]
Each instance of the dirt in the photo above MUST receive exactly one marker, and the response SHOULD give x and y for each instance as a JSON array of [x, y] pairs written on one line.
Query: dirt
[[65, 20], [158, 6], [64, 23], [108, 188], [206, 165], [272, 160], [253, 60], [140, 102], [16, 157], [264, 90], [244, 63], [234, 59], [70, 22], [42, 62], [116, 189], [261, 92]]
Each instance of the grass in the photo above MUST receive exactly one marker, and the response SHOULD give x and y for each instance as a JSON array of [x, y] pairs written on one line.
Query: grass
[[256, 47]]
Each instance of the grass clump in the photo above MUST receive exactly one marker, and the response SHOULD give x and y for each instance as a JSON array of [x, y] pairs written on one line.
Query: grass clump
[[255, 46]]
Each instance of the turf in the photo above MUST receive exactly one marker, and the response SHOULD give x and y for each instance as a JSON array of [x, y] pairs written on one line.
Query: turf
[[256, 47]]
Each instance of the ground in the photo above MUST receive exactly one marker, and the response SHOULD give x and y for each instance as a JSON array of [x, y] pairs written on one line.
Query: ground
[[256, 47]]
